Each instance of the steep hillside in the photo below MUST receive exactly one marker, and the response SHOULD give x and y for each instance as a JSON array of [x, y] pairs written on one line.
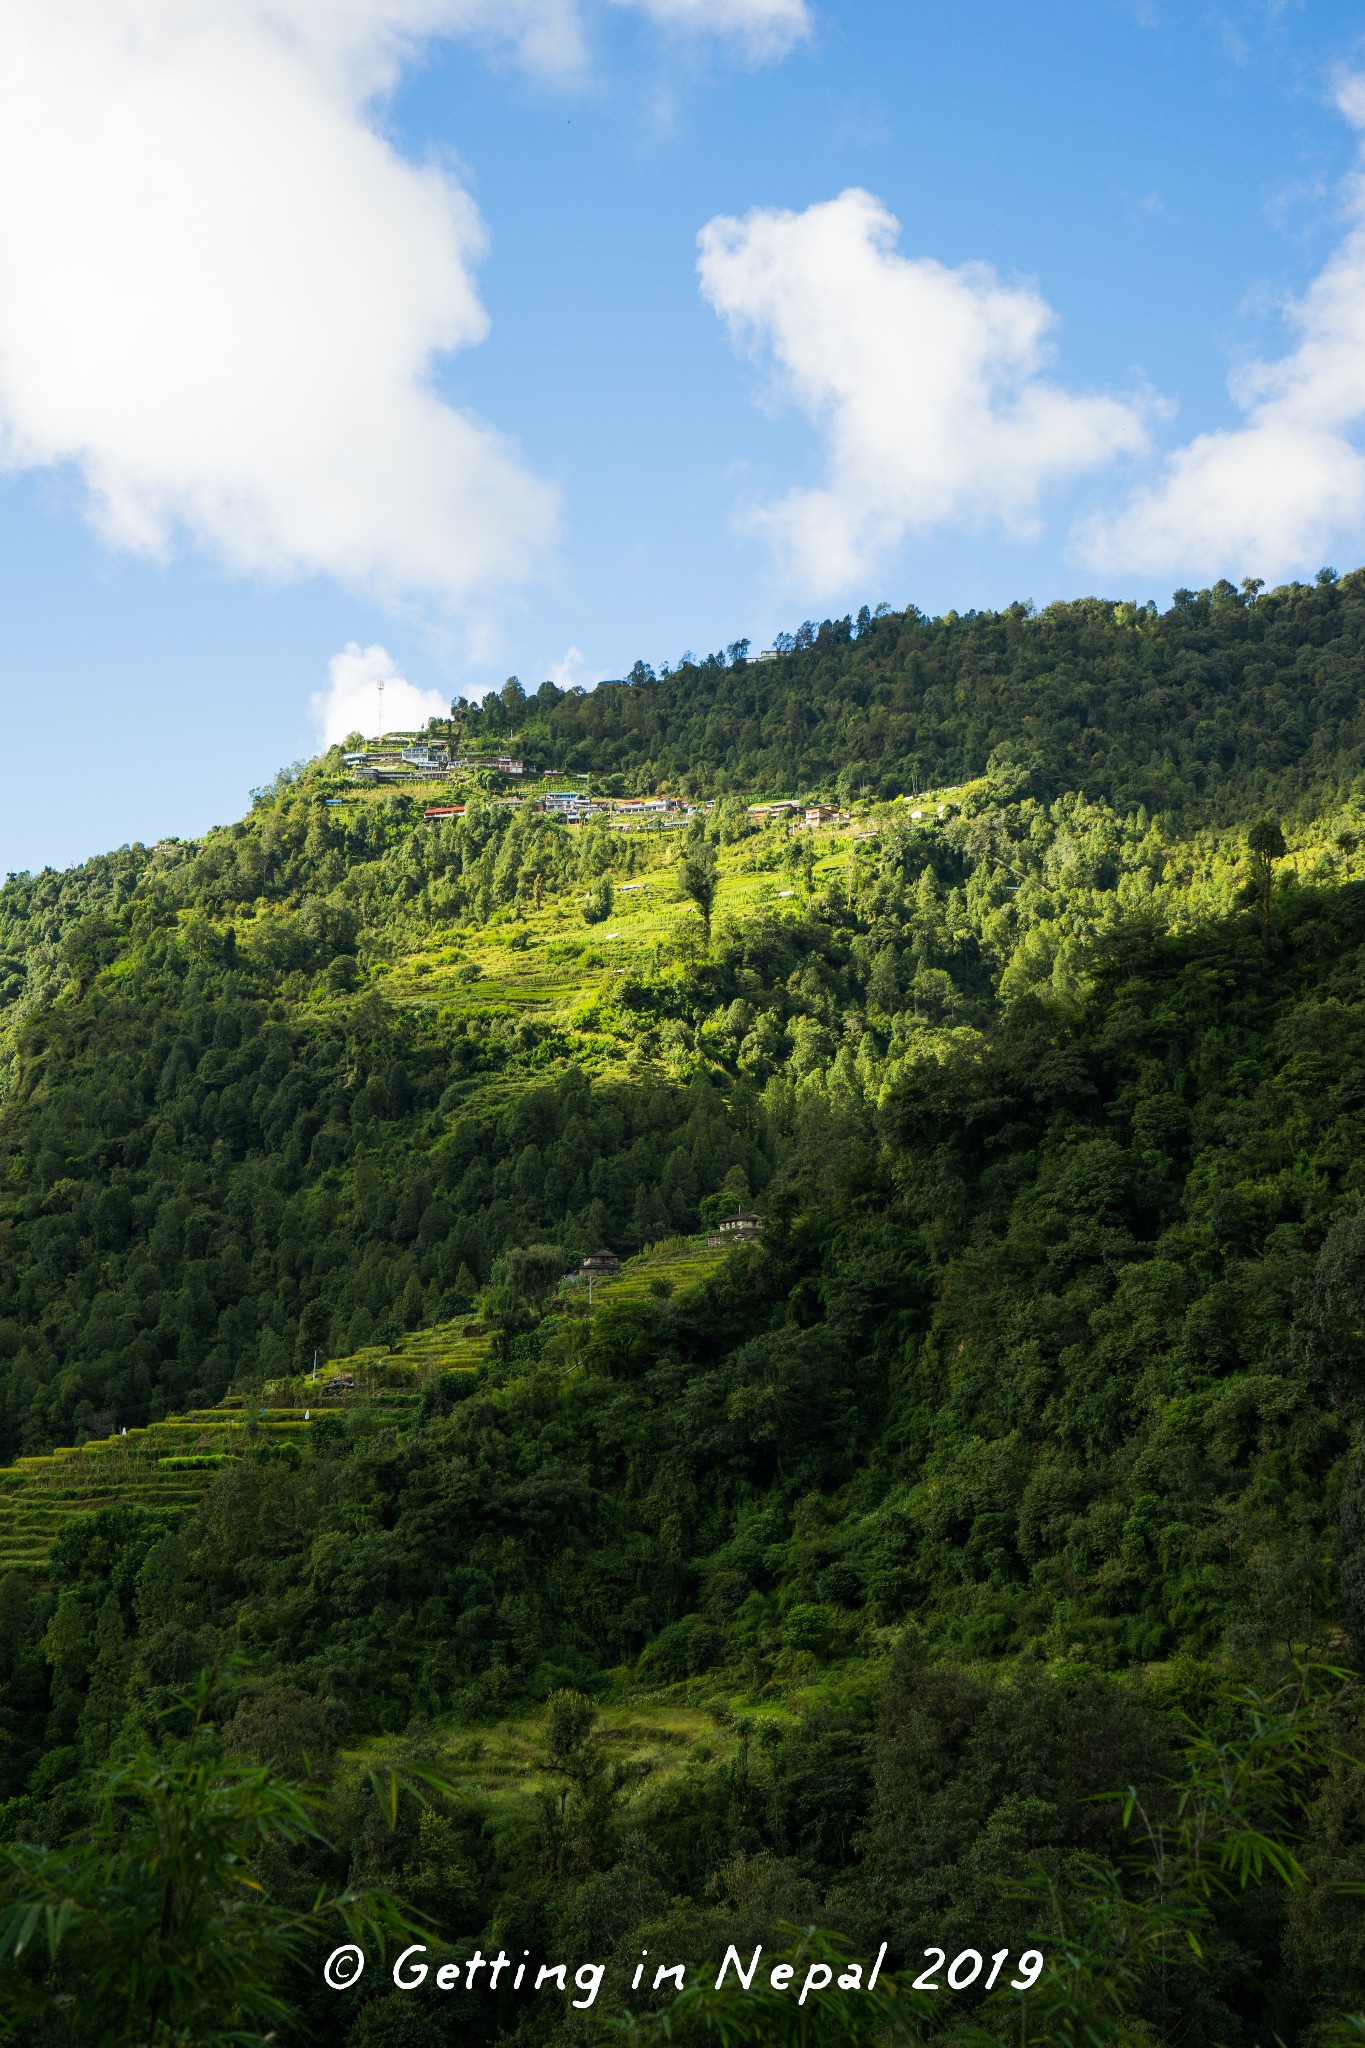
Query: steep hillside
[[884, 1546]]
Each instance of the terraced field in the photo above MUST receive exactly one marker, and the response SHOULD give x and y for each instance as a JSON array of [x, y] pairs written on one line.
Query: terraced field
[[162, 1467], [166, 1466], [653, 1738]]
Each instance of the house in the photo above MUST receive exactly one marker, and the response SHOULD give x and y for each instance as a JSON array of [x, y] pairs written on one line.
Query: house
[[600, 1265], [821, 814], [741, 1228], [432, 760], [766, 654], [501, 764], [437, 814], [570, 804], [781, 809]]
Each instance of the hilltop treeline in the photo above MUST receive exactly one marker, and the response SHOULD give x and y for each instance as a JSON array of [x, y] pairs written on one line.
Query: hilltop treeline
[[1233, 700]]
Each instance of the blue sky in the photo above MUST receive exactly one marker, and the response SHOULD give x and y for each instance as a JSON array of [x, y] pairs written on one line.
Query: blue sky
[[378, 325]]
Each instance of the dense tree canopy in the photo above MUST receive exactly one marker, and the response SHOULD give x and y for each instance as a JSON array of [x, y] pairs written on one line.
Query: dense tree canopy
[[1231, 699]]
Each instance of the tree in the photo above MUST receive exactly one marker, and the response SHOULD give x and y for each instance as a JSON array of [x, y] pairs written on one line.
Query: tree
[[155, 1928], [513, 700], [535, 1270], [598, 906], [1266, 845], [107, 1699], [569, 1749], [698, 880]]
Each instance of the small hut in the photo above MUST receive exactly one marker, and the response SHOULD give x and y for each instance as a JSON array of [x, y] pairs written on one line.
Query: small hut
[[740, 1228]]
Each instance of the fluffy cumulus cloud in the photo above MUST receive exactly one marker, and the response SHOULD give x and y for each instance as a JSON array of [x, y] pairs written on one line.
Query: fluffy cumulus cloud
[[1274, 492], [927, 383], [354, 702], [221, 293]]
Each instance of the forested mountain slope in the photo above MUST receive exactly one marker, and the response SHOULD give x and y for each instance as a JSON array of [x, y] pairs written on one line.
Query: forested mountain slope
[[1029, 1426]]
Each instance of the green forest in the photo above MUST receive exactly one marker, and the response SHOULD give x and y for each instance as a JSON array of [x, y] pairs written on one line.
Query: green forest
[[970, 1561]]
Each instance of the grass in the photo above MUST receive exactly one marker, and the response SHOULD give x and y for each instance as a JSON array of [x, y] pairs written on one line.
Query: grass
[[558, 957], [655, 1733]]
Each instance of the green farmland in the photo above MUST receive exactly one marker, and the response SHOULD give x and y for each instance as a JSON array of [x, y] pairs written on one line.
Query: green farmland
[[164, 1466]]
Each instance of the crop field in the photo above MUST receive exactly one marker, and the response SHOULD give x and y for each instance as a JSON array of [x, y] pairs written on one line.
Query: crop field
[[166, 1466], [550, 963]]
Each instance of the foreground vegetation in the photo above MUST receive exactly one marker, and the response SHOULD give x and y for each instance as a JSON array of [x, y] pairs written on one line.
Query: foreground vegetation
[[977, 1561]]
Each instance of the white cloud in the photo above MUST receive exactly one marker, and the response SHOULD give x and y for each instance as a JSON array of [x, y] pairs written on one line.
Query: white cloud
[[221, 293], [925, 382], [1272, 494], [567, 672], [767, 28], [352, 701]]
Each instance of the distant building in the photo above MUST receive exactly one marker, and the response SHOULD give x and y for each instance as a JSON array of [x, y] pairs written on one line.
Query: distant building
[[497, 764], [600, 1265], [570, 804], [821, 814], [434, 760], [767, 654], [741, 1228], [438, 813]]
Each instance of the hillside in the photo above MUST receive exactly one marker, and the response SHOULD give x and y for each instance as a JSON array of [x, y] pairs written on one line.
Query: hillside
[[884, 1546]]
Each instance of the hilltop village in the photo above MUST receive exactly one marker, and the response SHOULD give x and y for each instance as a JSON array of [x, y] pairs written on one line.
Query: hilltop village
[[434, 756]]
